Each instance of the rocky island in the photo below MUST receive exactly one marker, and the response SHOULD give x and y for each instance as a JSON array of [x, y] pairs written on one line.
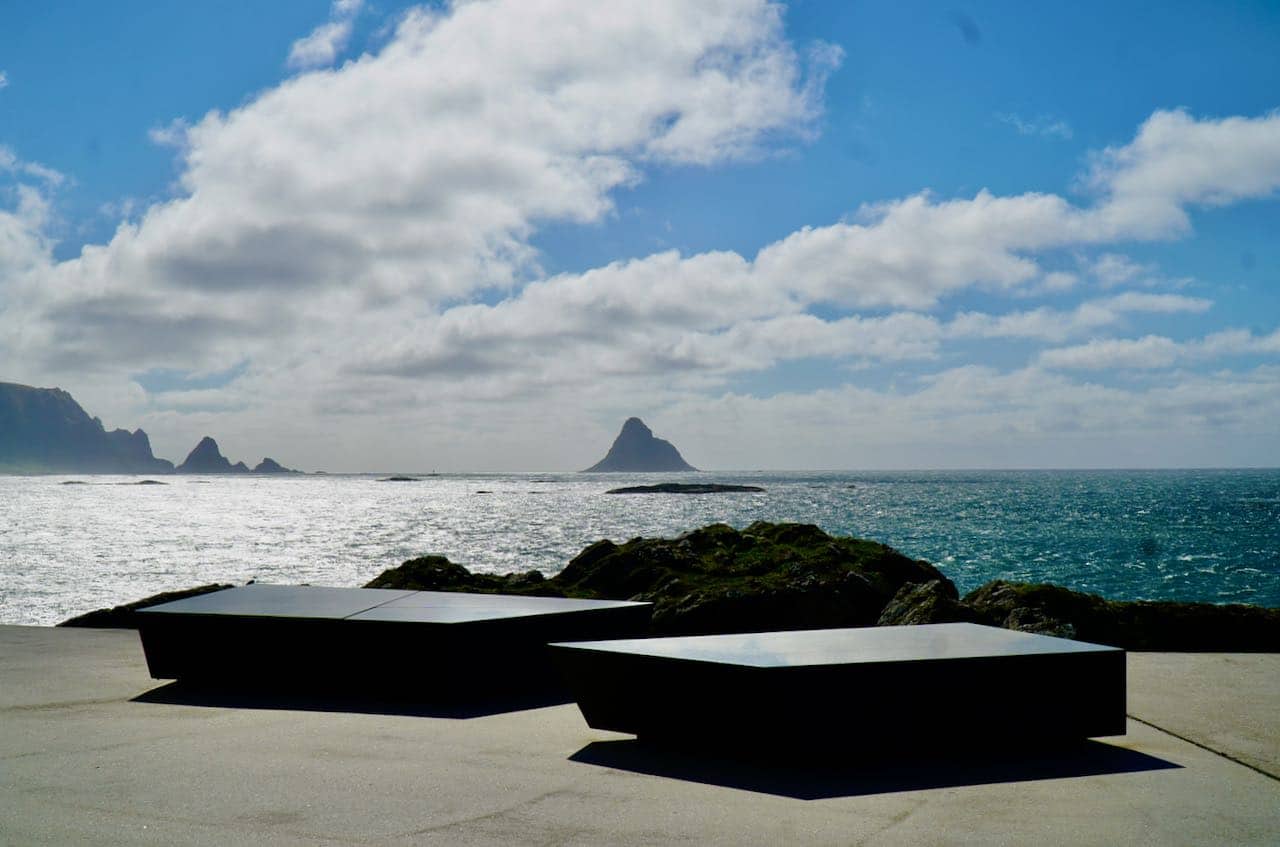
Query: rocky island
[[207, 458], [44, 430], [636, 450]]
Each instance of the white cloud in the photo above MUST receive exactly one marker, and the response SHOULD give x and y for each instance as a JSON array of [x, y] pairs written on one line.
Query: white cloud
[[1139, 301], [1155, 351], [415, 176], [172, 134], [1177, 160], [1234, 342], [912, 252], [23, 249], [1112, 269], [361, 237], [11, 164], [975, 416], [1151, 351], [1043, 126], [323, 44], [4, 80], [1057, 325]]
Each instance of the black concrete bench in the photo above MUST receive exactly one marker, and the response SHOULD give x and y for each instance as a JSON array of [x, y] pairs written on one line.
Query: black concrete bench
[[864, 690], [357, 639]]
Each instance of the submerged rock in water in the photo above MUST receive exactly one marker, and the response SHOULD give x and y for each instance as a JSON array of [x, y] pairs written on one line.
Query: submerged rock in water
[[713, 579], [683, 488]]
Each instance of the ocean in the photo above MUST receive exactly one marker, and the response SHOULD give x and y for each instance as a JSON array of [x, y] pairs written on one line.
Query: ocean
[[1198, 535]]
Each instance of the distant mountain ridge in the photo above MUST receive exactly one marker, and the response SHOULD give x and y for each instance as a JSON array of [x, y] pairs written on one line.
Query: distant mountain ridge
[[44, 430], [636, 450]]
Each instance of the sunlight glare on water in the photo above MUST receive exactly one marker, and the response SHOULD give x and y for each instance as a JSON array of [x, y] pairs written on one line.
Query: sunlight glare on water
[[1183, 535]]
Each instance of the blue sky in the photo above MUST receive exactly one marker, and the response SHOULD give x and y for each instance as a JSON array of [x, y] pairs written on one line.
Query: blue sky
[[820, 234]]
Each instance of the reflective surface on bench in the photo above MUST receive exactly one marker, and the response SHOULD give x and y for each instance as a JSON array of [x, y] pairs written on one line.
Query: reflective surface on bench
[[281, 601], [815, 647], [374, 604]]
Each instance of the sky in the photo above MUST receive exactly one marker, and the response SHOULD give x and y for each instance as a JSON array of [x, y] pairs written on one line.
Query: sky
[[366, 235]]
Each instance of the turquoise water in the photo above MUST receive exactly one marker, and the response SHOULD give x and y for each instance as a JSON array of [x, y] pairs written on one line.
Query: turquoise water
[[1210, 536], [1203, 535]]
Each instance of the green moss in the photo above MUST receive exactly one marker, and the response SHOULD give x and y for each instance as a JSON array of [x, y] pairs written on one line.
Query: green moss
[[713, 579]]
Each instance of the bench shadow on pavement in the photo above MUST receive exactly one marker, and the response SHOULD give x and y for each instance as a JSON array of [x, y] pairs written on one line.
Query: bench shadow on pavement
[[815, 778], [391, 702]]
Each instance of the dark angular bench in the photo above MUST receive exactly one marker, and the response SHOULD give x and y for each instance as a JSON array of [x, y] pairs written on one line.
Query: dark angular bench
[[430, 643], [869, 690]]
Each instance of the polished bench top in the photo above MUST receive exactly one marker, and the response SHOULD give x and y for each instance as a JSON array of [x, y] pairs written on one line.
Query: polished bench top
[[373, 604], [865, 645]]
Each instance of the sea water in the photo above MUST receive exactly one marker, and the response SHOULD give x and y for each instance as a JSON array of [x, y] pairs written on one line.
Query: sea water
[[1202, 535]]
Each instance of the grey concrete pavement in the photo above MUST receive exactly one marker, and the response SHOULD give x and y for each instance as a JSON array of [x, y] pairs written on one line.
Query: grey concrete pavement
[[83, 762], [1229, 702]]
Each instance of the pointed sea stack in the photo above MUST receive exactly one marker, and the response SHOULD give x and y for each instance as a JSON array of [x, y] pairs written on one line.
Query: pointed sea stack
[[207, 458], [635, 450]]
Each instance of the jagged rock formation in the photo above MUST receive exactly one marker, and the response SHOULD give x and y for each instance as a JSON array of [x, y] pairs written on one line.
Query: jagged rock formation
[[46, 430], [207, 458], [714, 579], [269, 465], [635, 450], [930, 602]]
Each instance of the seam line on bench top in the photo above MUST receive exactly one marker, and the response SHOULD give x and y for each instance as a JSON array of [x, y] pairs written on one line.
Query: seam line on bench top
[[406, 593], [1206, 747]]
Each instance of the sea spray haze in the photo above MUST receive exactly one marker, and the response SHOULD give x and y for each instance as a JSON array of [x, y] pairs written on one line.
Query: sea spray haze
[[1202, 535]]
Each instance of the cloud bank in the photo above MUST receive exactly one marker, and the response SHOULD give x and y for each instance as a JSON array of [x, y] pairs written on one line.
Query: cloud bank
[[355, 246]]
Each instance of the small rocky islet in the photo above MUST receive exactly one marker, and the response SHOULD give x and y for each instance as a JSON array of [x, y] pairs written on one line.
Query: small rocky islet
[[775, 576], [685, 488]]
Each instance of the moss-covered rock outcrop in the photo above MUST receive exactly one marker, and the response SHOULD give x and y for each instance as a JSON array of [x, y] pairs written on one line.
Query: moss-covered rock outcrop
[[795, 576], [437, 573], [936, 601], [714, 579], [1133, 625]]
